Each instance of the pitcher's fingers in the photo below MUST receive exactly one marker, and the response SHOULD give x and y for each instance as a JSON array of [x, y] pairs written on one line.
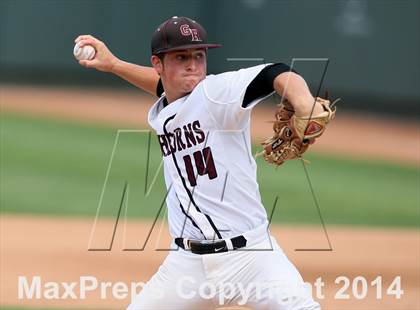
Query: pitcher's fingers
[[86, 63], [83, 36], [89, 63], [82, 63], [88, 41], [80, 37]]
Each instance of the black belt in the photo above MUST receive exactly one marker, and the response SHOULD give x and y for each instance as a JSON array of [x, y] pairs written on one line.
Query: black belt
[[210, 247]]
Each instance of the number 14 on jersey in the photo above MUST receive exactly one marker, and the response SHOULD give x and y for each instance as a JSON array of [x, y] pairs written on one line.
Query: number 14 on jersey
[[204, 164]]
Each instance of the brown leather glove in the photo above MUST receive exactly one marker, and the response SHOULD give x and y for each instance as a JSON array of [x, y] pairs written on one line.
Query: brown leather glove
[[292, 134]]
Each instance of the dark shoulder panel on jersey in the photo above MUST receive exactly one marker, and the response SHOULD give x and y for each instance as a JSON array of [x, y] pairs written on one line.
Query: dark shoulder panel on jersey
[[262, 84], [159, 88]]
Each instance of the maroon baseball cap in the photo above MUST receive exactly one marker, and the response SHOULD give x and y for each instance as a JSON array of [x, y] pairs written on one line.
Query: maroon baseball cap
[[179, 33]]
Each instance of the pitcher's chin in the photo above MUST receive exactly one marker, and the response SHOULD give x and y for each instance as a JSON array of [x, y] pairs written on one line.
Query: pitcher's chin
[[190, 84]]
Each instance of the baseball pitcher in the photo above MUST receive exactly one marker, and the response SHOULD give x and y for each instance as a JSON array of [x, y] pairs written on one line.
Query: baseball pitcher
[[226, 255]]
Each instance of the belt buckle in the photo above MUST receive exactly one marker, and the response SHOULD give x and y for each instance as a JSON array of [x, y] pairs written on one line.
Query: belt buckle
[[201, 242], [204, 246]]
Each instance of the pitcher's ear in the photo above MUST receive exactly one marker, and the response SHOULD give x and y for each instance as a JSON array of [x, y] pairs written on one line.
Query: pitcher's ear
[[157, 63]]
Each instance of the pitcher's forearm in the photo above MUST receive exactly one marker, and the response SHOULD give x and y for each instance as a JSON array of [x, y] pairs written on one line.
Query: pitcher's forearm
[[142, 77], [294, 88]]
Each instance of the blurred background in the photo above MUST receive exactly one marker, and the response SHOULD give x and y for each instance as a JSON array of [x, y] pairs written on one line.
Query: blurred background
[[373, 46], [76, 146]]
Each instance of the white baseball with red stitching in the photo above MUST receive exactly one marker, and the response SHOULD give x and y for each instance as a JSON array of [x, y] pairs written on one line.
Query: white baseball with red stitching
[[86, 52]]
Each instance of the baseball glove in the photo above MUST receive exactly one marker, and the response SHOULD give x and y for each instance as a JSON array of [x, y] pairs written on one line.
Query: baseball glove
[[292, 134]]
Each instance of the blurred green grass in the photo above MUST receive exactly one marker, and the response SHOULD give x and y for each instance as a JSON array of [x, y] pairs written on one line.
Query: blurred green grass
[[59, 168]]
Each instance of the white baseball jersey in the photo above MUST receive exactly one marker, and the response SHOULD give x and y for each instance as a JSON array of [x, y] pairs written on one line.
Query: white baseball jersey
[[209, 169]]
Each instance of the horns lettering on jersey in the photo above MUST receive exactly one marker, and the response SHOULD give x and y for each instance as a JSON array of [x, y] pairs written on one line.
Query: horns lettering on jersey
[[183, 138]]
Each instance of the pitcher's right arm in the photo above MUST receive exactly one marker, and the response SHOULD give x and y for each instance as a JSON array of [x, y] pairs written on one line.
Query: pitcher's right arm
[[142, 77]]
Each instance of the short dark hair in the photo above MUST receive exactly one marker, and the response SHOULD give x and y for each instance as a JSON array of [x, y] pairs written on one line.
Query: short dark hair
[[161, 56]]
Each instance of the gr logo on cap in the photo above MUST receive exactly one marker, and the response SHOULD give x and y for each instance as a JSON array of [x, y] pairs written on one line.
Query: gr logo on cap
[[187, 31], [179, 33]]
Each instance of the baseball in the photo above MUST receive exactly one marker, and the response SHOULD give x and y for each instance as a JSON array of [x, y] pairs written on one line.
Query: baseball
[[86, 52]]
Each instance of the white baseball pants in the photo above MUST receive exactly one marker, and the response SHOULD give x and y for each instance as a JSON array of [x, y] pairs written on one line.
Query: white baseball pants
[[258, 276]]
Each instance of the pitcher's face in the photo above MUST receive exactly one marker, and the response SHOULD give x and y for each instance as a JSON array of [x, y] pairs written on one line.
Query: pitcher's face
[[182, 70]]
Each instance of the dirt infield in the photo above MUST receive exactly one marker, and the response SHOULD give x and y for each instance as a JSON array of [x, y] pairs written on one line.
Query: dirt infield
[[56, 250], [351, 135]]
